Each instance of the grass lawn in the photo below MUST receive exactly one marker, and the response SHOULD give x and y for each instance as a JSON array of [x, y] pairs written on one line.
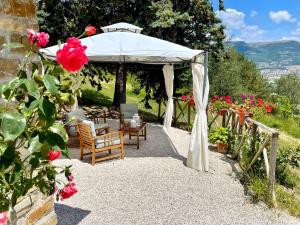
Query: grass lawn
[[104, 97]]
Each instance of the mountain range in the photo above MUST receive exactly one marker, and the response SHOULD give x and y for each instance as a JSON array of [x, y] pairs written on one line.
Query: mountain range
[[272, 58]]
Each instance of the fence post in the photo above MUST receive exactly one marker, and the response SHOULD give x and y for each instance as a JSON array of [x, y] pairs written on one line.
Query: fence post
[[175, 111], [272, 179], [158, 114], [189, 116]]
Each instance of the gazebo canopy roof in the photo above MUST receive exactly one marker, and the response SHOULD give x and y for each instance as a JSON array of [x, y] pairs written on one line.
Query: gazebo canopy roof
[[130, 47], [123, 27]]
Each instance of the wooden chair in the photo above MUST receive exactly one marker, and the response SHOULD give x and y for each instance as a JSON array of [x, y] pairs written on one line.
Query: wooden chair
[[127, 111], [71, 126], [101, 143]]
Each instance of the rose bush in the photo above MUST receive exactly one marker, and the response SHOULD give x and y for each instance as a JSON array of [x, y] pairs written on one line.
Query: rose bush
[[31, 134]]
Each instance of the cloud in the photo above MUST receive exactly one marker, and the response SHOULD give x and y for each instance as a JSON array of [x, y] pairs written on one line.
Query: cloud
[[237, 29], [232, 18], [281, 16], [295, 35], [253, 13]]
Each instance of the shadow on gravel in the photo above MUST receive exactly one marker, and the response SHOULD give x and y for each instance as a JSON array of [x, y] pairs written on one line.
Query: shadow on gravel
[[67, 215]]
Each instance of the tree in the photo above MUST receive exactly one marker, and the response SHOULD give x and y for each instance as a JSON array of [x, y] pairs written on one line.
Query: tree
[[289, 86], [235, 75], [192, 23]]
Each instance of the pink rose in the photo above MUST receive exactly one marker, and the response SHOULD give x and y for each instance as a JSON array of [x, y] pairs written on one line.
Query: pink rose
[[70, 178], [68, 191], [42, 39], [90, 30], [52, 155], [31, 36], [72, 56], [3, 218]]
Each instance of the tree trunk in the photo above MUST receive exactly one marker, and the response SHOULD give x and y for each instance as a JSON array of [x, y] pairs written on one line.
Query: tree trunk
[[120, 86]]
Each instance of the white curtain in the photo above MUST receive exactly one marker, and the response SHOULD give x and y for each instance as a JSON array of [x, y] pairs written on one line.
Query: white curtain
[[168, 70], [198, 149]]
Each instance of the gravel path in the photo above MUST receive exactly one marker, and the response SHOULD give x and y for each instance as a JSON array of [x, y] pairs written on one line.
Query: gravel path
[[153, 186]]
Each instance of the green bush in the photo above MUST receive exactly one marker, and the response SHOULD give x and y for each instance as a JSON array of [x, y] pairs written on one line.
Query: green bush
[[219, 136], [287, 157]]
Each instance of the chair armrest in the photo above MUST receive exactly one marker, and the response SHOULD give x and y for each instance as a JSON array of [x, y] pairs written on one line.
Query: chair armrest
[[108, 139]]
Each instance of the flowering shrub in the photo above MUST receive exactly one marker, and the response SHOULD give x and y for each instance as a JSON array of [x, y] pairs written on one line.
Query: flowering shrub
[[31, 136], [189, 98], [246, 104], [219, 103]]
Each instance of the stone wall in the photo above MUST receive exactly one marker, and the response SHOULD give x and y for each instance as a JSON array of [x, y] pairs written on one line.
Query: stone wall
[[16, 16], [36, 209]]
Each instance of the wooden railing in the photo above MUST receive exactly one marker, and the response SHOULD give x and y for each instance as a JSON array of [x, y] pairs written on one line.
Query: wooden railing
[[183, 114], [247, 134]]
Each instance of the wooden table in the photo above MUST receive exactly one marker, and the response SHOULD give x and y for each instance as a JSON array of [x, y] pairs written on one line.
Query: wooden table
[[139, 131]]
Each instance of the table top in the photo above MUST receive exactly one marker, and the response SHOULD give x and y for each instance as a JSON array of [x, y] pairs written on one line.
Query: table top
[[129, 128]]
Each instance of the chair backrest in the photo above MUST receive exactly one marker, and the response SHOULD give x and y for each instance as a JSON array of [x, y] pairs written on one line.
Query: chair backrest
[[85, 134], [128, 110]]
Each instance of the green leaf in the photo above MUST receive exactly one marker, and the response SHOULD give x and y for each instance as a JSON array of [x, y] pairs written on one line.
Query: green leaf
[[31, 87], [59, 129], [56, 141], [39, 145], [12, 45], [47, 110], [33, 105], [51, 83], [13, 124]]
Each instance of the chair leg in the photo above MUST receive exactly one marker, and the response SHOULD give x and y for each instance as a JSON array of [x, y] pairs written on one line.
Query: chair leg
[[122, 152], [93, 157], [81, 152]]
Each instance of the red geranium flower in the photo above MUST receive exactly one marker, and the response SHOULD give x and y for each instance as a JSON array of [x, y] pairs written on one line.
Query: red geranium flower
[[72, 56], [223, 97], [42, 39], [183, 97], [192, 102], [68, 191], [90, 30], [52, 155], [3, 218], [268, 109]]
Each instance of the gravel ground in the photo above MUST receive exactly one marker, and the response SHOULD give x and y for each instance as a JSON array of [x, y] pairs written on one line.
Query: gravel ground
[[153, 186]]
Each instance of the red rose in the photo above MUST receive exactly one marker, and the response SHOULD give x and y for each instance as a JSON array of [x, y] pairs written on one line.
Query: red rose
[[68, 191], [183, 98], [31, 36], [90, 30], [42, 39], [74, 42], [52, 155], [72, 56], [3, 218]]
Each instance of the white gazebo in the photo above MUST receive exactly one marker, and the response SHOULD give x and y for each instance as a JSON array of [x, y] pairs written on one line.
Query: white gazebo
[[123, 43]]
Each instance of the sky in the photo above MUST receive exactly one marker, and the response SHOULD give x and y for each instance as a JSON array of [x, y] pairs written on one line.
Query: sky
[[261, 20]]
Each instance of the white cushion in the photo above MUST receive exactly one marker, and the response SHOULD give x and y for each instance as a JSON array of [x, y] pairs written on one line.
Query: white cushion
[[92, 126], [75, 116], [99, 143]]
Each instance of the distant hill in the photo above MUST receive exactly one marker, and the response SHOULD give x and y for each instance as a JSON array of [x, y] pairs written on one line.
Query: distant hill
[[272, 58]]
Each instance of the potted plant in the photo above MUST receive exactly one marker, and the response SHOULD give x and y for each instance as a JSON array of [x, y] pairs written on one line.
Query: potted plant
[[220, 136], [220, 105]]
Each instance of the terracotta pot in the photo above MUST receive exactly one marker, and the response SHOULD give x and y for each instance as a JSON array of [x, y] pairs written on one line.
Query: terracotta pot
[[222, 112], [222, 148], [242, 118]]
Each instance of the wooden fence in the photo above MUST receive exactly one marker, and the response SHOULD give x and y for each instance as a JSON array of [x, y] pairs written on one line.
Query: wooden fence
[[261, 140], [183, 115]]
